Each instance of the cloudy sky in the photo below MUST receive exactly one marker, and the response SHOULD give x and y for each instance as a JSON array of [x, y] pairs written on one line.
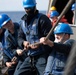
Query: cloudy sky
[[16, 5]]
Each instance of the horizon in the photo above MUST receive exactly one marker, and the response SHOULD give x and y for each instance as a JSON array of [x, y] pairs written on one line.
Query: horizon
[[17, 5]]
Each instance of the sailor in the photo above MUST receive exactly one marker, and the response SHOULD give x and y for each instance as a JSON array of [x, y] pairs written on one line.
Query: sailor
[[54, 15], [34, 25], [52, 8], [60, 49], [10, 41]]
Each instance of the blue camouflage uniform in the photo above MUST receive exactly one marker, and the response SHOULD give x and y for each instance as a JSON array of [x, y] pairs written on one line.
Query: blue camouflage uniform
[[58, 57], [10, 46], [32, 29]]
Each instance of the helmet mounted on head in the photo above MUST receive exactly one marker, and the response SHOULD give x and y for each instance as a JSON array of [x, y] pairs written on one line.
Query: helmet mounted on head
[[29, 3], [63, 28], [52, 8], [73, 7], [4, 19], [54, 13]]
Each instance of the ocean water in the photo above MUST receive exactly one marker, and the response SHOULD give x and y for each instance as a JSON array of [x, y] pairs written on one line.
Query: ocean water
[[16, 15]]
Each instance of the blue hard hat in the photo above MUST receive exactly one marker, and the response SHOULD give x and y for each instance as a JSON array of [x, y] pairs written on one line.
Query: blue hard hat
[[63, 28], [4, 19], [73, 7], [54, 13], [29, 3]]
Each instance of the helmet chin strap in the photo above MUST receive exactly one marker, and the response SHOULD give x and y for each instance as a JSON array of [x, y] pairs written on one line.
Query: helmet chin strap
[[62, 40]]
